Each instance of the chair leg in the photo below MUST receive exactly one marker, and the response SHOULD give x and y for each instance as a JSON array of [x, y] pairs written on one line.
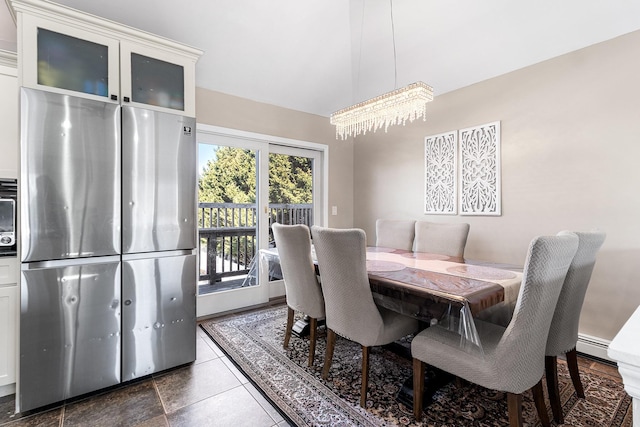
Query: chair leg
[[458, 382], [287, 332], [541, 408], [313, 327], [551, 374], [418, 387], [331, 343], [572, 363], [365, 376], [514, 403]]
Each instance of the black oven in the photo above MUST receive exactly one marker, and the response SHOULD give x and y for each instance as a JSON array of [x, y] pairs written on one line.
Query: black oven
[[8, 193]]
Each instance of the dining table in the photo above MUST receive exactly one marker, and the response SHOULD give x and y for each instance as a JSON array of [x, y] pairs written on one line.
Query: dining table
[[440, 290], [445, 291]]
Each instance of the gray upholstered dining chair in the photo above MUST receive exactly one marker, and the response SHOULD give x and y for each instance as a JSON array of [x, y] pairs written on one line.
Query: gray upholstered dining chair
[[395, 233], [441, 238], [513, 359], [301, 285], [350, 309], [563, 334]]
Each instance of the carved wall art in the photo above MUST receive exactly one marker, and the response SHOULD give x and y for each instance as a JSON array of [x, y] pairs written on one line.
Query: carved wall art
[[480, 170], [440, 155]]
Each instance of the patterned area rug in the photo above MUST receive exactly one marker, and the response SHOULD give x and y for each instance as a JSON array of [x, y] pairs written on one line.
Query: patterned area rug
[[254, 342]]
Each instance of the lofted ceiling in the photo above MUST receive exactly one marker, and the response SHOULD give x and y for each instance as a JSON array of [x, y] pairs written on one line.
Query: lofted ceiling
[[318, 56]]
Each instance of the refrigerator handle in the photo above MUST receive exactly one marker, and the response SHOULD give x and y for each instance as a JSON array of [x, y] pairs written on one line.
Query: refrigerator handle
[[33, 265], [162, 254]]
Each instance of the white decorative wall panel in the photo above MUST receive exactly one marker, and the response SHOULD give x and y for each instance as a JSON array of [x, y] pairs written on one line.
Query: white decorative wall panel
[[440, 159], [480, 170]]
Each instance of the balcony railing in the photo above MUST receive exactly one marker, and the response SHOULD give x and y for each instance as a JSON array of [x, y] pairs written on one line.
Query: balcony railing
[[227, 235]]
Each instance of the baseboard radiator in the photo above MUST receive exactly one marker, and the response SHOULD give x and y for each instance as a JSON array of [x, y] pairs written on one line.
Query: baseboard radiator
[[593, 346]]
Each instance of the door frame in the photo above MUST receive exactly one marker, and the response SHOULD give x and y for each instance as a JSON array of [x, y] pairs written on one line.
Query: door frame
[[224, 301]]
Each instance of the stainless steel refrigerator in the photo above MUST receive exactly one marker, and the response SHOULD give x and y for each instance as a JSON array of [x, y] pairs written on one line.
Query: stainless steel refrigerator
[[107, 244]]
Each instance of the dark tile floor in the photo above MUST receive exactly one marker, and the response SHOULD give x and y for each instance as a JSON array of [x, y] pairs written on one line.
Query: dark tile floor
[[210, 392]]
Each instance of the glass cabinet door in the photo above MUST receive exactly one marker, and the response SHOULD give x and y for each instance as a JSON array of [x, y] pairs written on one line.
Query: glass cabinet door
[[158, 79], [65, 59], [71, 63], [157, 82]]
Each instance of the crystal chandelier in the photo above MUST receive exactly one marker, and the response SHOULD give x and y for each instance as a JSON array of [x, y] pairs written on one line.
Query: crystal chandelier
[[391, 108]]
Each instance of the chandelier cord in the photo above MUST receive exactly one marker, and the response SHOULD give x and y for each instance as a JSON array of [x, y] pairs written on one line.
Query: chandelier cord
[[359, 54], [393, 36]]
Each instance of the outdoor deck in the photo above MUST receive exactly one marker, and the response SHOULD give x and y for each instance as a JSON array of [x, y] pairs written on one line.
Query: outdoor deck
[[227, 239]]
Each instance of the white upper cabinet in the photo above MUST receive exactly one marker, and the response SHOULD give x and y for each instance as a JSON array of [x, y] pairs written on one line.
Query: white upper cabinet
[[66, 51]]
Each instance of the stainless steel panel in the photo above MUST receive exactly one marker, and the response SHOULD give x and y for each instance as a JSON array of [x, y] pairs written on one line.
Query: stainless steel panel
[[158, 314], [70, 177], [158, 181], [69, 332]]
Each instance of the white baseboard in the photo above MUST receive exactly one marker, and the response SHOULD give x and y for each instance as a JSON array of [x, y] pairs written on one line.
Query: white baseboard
[[8, 389], [593, 346], [276, 289]]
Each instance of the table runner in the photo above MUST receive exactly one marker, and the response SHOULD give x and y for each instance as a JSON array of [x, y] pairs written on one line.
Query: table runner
[[431, 271]]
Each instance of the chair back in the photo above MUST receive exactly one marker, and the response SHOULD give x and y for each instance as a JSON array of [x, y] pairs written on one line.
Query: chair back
[[441, 238], [301, 284], [563, 334], [521, 347], [350, 309], [395, 233]]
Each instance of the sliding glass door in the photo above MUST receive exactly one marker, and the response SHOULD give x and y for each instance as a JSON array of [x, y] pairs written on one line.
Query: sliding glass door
[[246, 184]]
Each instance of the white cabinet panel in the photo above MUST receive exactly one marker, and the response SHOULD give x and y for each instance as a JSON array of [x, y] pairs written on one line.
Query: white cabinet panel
[[8, 271], [8, 303], [9, 114], [8, 319]]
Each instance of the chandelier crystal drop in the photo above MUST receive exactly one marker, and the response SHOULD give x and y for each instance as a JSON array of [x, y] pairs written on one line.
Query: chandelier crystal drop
[[396, 107]]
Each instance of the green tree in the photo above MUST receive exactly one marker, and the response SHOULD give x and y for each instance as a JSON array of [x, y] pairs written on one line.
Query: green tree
[[231, 178], [290, 179]]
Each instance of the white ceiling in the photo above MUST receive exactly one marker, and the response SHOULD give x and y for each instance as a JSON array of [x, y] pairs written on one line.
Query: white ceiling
[[319, 56]]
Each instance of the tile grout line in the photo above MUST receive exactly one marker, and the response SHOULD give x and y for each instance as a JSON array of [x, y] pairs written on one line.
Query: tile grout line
[[155, 387], [275, 422], [62, 414]]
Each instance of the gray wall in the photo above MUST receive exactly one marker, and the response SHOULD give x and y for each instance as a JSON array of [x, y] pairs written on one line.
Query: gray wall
[[570, 149]]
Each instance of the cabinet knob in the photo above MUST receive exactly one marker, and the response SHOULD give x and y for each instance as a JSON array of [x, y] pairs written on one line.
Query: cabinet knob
[[114, 97], [126, 99]]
